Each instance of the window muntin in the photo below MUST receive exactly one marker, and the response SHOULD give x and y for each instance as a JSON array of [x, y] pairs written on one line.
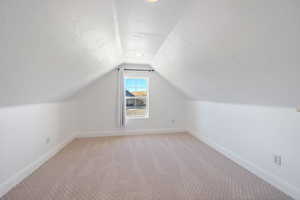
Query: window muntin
[[137, 97]]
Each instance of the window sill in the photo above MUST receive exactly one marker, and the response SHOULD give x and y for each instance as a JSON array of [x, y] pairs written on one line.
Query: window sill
[[128, 118]]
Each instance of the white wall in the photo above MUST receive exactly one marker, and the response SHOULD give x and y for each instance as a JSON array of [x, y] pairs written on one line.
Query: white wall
[[252, 135], [23, 134], [97, 106], [25, 129]]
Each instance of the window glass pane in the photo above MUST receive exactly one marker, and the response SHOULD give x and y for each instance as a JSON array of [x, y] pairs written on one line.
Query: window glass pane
[[136, 97], [136, 103]]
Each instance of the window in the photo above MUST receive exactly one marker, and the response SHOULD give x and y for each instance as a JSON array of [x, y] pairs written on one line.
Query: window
[[137, 97]]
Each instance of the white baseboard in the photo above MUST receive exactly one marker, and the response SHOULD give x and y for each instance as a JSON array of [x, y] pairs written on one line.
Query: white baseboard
[[122, 132], [277, 182], [29, 169], [268, 177]]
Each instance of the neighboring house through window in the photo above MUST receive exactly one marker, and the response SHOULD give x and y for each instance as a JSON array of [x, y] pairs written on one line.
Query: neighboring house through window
[[137, 97]]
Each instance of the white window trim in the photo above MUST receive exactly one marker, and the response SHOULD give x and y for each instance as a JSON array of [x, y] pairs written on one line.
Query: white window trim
[[147, 98]]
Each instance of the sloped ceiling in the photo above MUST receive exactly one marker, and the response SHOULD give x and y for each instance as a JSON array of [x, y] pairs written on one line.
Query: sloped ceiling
[[216, 50], [236, 51], [51, 48], [144, 26]]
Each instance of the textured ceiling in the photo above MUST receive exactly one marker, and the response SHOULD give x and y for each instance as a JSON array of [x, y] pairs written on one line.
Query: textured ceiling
[[51, 48], [144, 26], [217, 50], [236, 51]]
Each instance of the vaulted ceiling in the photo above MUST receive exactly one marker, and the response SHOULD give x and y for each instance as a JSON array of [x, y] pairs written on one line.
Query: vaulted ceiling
[[51, 48], [216, 50], [236, 51]]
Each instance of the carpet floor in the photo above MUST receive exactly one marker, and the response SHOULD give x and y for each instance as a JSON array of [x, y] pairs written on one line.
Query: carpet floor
[[146, 167]]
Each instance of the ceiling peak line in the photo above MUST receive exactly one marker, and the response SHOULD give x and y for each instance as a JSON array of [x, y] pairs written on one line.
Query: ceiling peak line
[[116, 26]]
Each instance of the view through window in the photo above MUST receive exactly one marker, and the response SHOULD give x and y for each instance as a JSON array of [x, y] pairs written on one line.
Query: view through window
[[136, 89]]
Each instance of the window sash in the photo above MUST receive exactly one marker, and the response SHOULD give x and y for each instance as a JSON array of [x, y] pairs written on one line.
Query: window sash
[[135, 105]]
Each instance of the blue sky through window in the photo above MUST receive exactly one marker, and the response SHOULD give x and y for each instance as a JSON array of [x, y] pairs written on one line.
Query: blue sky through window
[[136, 84]]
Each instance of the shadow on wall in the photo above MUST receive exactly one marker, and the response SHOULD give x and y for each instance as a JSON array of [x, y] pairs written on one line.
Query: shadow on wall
[[184, 94], [89, 84]]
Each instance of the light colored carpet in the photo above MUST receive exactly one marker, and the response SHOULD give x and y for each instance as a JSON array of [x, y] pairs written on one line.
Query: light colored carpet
[[148, 167]]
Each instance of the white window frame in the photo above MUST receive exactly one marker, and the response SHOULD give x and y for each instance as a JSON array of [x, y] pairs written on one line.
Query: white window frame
[[147, 98]]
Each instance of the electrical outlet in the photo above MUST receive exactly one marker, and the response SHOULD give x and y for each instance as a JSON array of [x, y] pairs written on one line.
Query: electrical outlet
[[277, 160], [48, 140]]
